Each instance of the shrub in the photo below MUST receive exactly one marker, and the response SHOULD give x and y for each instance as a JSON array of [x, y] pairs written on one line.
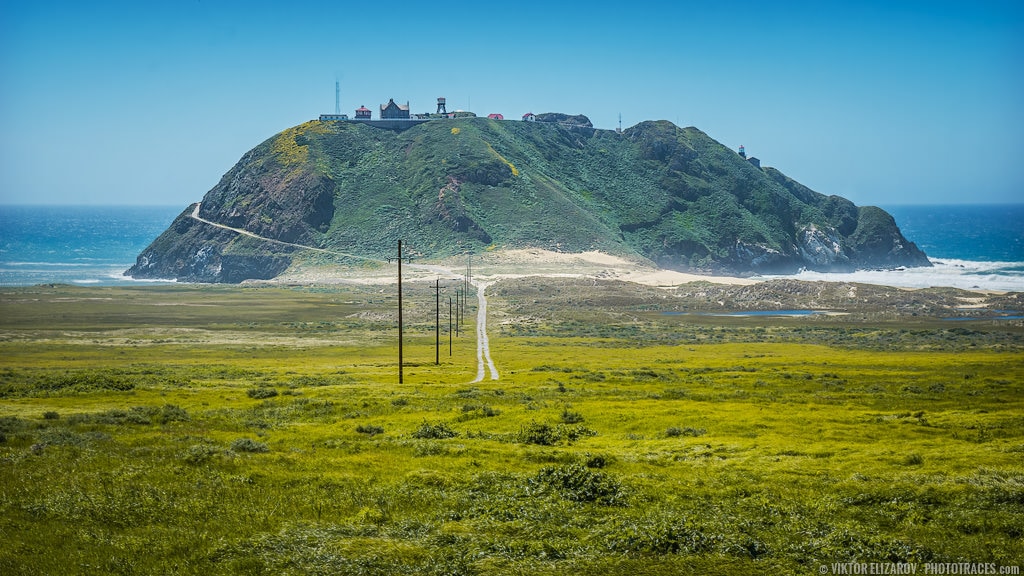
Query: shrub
[[579, 484], [50, 415], [199, 453], [665, 536], [261, 392], [437, 431], [570, 417], [369, 429], [484, 410], [249, 445], [913, 460], [538, 433], [63, 437], [135, 415], [173, 413], [597, 461], [470, 412], [574, 433], [400, 402]]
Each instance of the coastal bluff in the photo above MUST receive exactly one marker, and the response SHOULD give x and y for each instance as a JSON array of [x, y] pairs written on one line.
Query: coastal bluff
[[655, 192]]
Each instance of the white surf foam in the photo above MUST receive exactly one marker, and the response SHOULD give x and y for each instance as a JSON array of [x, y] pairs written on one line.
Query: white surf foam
[[965, 274]]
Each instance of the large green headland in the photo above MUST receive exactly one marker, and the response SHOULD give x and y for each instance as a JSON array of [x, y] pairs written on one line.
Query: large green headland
[[657, 193]]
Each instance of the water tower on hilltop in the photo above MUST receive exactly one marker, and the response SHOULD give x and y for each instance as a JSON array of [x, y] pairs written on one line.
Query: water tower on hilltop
[[440, 105]]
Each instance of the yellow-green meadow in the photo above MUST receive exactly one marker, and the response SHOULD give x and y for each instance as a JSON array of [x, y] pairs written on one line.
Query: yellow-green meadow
[[248, 429]]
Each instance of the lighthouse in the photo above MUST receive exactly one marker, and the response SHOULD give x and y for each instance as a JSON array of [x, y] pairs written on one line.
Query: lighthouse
[[743, 151]]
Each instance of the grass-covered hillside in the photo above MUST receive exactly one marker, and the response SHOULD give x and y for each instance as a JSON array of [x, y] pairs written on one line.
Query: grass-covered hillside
[[668, 194]]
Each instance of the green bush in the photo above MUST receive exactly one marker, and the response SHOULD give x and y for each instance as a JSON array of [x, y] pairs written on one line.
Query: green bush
[[675, 431], [249, 445], [437, 431], [369, 429], [538, 433], [471, 412], [664, 536], [913, 460], [172, 413], [597, 461], [570, 417], [261, 392], [579, 484], [139, 415], [199, 454]]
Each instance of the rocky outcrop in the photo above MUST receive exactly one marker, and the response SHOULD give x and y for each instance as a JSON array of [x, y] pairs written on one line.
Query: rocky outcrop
[[667, 194], [878, 243], [821, 249], [288, 205], [577, 120], [193, 251]]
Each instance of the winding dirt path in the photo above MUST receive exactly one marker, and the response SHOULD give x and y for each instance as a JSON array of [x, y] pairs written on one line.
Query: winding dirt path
[[483, 345], [244, 232]]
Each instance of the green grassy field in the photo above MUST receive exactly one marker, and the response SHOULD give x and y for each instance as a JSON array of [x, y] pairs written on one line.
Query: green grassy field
[[215, 430]]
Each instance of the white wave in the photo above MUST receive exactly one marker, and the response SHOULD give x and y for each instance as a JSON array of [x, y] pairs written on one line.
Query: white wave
[[49, 264], [945, 272], [129, 279]]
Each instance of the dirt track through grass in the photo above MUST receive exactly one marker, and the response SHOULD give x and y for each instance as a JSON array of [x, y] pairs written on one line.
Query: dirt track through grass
[[483, 347]]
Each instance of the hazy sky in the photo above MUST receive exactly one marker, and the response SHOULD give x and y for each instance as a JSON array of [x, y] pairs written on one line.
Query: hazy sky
[[151, 102]]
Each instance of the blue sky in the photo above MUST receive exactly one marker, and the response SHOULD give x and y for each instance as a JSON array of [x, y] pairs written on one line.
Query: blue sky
[[152, 102]]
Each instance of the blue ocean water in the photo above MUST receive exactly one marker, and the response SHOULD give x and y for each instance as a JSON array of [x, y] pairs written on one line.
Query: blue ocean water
[[76, 244], [985, 232], [971, 246]]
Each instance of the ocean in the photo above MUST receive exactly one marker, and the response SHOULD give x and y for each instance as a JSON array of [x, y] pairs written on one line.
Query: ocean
[[85, 245], [971, 246]]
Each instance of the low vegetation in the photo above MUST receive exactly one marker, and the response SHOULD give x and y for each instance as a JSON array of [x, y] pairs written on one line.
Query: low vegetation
[[204, 430]]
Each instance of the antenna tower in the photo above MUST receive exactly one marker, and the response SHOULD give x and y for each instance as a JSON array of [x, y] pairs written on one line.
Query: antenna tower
[[337, 97]]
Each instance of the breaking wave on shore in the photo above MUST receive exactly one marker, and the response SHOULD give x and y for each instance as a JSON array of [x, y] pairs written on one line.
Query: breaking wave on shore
[[945, 272]]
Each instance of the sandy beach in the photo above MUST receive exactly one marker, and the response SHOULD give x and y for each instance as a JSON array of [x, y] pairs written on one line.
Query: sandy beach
[[511, 263]]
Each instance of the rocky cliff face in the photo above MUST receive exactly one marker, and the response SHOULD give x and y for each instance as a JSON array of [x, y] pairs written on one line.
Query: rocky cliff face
[[193, 251], [671, 195]]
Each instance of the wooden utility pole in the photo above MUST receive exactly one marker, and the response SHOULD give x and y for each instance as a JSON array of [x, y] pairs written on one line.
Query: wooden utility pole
[[449, 326], [437, 321], [400, 365]]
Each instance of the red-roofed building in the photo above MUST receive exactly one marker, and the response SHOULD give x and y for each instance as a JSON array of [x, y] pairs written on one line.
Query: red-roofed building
[[529, 117], [363, 113], [495, 116]]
